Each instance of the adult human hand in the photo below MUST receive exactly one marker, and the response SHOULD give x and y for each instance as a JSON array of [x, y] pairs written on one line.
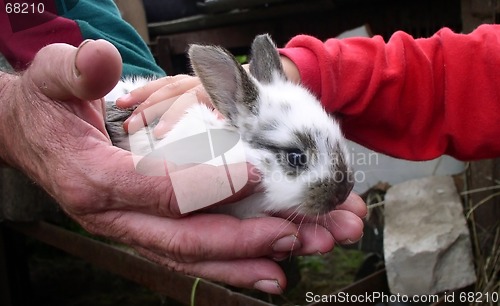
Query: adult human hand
[[52, 128]]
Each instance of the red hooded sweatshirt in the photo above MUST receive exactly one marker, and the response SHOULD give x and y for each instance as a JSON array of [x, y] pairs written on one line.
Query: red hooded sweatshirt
[[410, 98]]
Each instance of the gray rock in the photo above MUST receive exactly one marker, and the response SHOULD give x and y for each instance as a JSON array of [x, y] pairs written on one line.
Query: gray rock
[[427, 246]]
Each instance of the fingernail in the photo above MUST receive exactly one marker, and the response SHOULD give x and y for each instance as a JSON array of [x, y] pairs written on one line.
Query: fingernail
[[281, 257], [287, 244], [86, 41], [347, 241], [351, 241], [269, 286], [125, 97], [136, 122]]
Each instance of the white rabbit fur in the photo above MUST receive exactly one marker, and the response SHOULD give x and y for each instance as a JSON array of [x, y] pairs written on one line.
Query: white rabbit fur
[[284, 129]]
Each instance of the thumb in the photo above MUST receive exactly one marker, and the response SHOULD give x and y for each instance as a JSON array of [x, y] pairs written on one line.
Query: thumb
[[63, 72]]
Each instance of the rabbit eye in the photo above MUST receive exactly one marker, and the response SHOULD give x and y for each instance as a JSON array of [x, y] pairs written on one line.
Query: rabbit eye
[[296, 158]]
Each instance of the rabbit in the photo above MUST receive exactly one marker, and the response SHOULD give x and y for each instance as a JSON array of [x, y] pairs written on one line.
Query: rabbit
[[298, 148]]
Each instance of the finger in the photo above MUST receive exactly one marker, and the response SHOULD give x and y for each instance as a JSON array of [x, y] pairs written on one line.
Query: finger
[[314, 234], [63, 72], [146, 116], [259, 273], [345, 226], [355, 204], [140, 94], [179, 108], [172, 116], [171, 90], [198, 237], [315, 239], [159, 101], [202, 95], [92, 112]]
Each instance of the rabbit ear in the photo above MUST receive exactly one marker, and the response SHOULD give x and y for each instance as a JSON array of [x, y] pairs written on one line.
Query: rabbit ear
[[265, 64], [228, 84]]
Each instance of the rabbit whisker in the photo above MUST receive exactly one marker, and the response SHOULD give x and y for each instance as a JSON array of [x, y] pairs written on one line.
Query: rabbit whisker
[[316, 225], [298, 230], [285, 222], [333, 221], [325, 220]]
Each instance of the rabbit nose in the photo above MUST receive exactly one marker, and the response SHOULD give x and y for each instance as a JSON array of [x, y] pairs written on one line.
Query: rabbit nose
[[325, 195]]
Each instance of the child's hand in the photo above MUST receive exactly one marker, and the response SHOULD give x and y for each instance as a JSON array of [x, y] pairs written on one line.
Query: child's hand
[[166, 98]]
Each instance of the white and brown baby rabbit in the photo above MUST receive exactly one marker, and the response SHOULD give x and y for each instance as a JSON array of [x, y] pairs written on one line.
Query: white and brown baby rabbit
[[297, 147]]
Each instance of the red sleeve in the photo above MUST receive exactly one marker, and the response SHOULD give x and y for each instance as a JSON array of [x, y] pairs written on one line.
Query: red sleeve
[[410, 98], [23, 34]]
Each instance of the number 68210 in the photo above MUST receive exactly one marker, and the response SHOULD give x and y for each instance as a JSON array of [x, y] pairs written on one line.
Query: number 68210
[[24, 8]]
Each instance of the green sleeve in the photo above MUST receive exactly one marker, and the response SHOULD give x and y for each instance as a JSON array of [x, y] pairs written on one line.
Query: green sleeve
[[101, 20]]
